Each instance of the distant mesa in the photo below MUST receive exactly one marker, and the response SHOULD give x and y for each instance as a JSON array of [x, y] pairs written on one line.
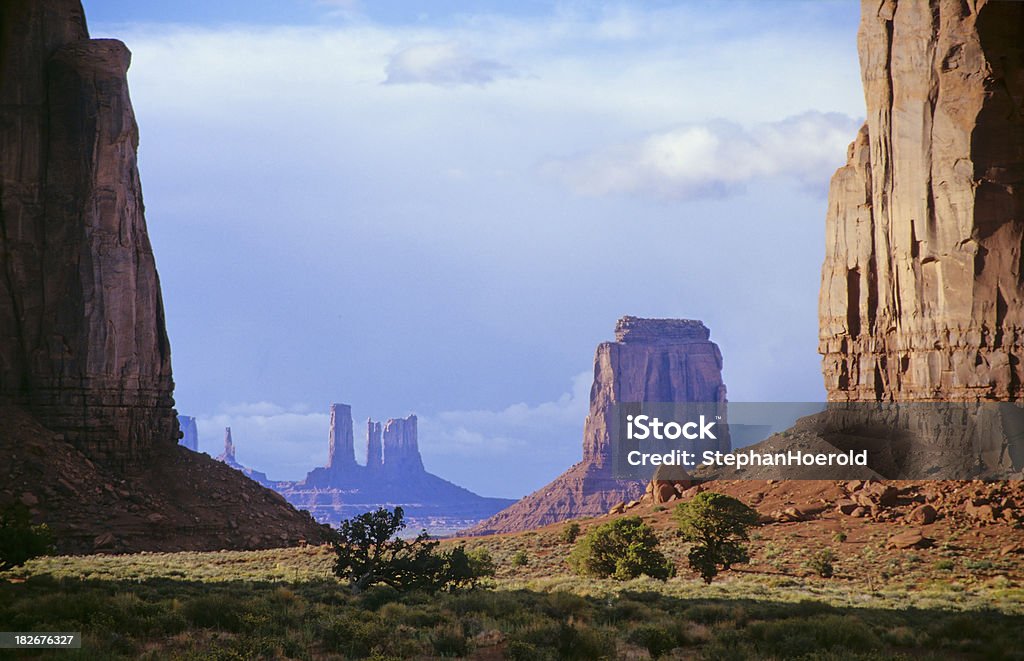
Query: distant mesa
[[651, 360], [393, 475]]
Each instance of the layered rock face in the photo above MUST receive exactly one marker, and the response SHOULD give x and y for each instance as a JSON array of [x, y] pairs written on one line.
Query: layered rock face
[[82, 338], [651, 360], [189, 432], [922, 295]]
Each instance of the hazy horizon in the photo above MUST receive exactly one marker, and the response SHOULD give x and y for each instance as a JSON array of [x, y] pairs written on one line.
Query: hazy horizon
[[444, 211]]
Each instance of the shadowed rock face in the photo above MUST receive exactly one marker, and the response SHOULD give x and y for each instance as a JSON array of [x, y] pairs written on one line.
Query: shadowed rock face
[[922, 294], [652, 360], [87, 422], [82, 338]]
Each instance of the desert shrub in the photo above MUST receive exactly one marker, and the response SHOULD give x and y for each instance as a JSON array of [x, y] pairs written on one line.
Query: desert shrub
[[568, 640], [368, 552], [717, 525], [793, 637], [449, 640], [657, 640], [520, 559], [839, 537], [945, 565], [481, 563], [622, 549], [570, 532], [821, 563], [21, 541]]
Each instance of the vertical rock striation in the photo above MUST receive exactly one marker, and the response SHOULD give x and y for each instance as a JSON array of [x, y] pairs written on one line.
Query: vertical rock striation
[[922, 294], [82, 338], [651, 360]]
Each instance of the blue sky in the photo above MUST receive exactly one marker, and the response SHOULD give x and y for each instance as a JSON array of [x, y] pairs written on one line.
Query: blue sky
[[443, 207]]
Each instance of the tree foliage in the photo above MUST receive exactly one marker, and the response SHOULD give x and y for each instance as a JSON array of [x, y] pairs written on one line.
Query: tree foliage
[[369, 552], [21, 541], [717, 525], [622, 549]]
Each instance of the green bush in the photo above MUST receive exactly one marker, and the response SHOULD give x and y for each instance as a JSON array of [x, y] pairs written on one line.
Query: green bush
[[821, 563], [368, 552], [21, 541], [520, 559], [717, 525], [622, 549], [570, 532], [657, 640]]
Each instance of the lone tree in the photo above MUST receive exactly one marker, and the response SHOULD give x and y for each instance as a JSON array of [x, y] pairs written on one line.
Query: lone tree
[[21, 541], [369, 552], [621, 549], [717, 525]]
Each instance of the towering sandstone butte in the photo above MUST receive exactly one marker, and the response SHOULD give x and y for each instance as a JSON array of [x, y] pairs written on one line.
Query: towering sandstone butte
[[88, 431], [922, 294], [651, 360], [341, 454], [82, 339], [393, 475]]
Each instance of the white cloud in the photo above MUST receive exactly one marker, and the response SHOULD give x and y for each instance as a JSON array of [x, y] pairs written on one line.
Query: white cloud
[[713, 158], [514, 431], [284, 443], [444, 64]]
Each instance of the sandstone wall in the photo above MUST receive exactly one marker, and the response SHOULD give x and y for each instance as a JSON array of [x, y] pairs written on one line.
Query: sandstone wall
[[922, 294], [82, 338]]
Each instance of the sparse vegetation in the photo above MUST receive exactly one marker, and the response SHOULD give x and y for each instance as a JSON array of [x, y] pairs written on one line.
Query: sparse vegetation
[[570, 532], [21, 541], [368, 552], [622, 549], [520, 559], [821, 563], [717, 525]]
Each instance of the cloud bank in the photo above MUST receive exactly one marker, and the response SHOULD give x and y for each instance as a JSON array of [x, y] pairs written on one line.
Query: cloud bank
[[713, 158]]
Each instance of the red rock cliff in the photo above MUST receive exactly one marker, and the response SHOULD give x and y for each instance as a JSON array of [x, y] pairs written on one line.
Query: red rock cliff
[[922, 294], [82, 338]]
